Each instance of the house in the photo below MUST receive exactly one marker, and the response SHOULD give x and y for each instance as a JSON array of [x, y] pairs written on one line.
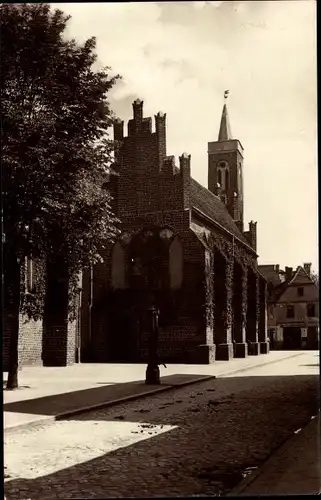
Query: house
[[293, 307], [183, 249]]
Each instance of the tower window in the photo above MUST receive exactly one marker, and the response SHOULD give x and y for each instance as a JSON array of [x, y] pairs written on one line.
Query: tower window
[[227, 180], [219, 176], [300, 291]]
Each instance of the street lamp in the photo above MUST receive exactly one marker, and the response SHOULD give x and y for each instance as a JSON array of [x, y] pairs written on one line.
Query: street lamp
[[152, 371]]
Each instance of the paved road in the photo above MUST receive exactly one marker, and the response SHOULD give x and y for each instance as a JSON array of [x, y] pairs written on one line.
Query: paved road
[[193, 441]]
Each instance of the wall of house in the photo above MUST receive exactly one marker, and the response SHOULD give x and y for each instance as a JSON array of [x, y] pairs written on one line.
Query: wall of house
[[32, 334], [278, 318], [30, 342]]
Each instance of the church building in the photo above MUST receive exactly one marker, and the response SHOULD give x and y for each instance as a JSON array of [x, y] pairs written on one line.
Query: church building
[[182, 248]]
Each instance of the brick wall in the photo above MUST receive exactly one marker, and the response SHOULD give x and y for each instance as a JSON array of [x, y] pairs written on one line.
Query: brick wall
[[151, 191], [30, 342], [59, 340]]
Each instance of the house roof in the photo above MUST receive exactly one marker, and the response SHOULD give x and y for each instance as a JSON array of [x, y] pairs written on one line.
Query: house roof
[[211, 206], [277, 291], [301, 273]]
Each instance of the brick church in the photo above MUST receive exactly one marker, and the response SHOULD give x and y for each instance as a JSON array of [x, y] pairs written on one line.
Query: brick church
[[183, 249]]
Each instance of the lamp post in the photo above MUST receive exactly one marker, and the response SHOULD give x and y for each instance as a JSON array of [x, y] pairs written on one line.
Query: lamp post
[[152, 371]]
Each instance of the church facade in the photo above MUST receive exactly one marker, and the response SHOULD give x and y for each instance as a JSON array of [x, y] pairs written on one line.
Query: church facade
[[183, 249]]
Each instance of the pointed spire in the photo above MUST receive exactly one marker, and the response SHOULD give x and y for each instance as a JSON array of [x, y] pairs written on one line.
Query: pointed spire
[[225, 133]]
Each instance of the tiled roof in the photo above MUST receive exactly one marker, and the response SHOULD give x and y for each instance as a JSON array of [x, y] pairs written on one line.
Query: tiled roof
[[205, 201], [276, 291]]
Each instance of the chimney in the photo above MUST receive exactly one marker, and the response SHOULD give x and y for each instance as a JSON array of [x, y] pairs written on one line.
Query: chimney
[[138, 114], [288, 273], [252, 231], [160, 120], [277, 268], [118, 130], [185, 173], [307, 267]]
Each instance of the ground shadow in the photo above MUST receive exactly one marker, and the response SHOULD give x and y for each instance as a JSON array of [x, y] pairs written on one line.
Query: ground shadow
[[227, 426], [69, 401], [4, 384]]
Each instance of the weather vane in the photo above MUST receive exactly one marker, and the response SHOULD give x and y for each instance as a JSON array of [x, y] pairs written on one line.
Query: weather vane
[[226, 93]]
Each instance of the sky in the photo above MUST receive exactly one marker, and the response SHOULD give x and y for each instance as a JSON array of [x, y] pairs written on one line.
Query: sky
[[179, 57]]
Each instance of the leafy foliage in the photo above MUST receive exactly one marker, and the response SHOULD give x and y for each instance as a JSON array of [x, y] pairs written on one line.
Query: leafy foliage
[[315, 278], [56, 153]]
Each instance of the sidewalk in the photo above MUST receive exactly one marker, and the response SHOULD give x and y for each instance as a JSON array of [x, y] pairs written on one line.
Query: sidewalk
[[295, 469], [48, 394]]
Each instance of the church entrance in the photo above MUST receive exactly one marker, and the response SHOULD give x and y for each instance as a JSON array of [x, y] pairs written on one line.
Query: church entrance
[[292, 338], [146, 267]]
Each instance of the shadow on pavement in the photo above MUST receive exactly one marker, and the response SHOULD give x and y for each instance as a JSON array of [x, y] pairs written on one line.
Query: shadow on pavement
[[69, 401], [223, 427]]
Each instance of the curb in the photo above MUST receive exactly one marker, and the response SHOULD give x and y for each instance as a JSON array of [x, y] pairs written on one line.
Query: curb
[[132, 397], [48, 420], [285, 444], [77, 411]]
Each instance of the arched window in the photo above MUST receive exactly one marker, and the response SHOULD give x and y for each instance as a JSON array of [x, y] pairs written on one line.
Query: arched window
[[118, 267], [223, 175], [219, 176], [175, 264], [227, 179]]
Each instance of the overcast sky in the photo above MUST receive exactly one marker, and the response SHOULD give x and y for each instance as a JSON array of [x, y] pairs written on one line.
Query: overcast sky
[[180, 57]]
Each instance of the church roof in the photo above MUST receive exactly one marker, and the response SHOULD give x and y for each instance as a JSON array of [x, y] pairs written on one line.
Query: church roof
[[225, 133], [211, 206]]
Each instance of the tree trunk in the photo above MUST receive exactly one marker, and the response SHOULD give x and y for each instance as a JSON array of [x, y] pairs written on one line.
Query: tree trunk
[[12, 306]]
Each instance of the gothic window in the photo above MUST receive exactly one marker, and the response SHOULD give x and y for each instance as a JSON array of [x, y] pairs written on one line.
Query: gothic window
[[223, 180], [239, 178], [175, 264], [223, 174], [227, 180], [118, 267]]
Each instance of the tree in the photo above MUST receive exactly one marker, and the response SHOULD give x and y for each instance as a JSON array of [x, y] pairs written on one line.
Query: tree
[[56, 153], [315, 278]]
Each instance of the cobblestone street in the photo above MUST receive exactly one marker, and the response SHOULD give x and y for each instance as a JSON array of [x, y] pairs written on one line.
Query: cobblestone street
[[192, 441]]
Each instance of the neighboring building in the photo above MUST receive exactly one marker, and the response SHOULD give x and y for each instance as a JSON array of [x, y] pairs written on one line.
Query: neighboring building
[[51, 340], [293, 307], [183, 249]]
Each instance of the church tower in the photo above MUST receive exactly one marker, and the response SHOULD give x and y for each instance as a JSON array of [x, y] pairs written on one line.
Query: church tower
[[225, 169]]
